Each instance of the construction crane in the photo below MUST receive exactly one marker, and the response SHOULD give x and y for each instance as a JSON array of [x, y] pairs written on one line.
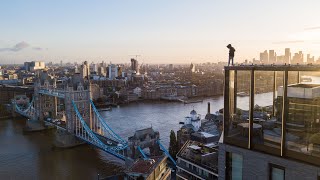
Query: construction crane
[[136, 55]]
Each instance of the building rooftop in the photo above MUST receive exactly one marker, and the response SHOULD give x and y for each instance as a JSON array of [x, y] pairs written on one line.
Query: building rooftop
[[142, 133], [306, 91], [273, 67], [304, 85], [142, 166], [204, 155], [207, 135]]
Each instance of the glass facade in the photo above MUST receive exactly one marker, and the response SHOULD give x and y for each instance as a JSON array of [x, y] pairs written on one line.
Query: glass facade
[[236, 128], [277, 172], [274, 109], [234, 164]]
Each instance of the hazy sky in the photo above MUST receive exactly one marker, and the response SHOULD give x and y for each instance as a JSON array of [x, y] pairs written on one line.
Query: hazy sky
[[169, 31]]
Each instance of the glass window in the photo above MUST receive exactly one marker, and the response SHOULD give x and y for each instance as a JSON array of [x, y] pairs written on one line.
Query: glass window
[[234, 166], [276, 172], [236, 110], [266, 132]]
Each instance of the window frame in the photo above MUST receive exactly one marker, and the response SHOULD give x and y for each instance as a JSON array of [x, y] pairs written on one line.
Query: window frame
[[271, 166]]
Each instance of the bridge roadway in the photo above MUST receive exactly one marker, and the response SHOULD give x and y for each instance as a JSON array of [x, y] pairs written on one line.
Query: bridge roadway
[[107, 141], [56, 93], [58, 126], [102, 138]]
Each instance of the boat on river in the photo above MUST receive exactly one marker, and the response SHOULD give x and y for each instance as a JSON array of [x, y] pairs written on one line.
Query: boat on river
[[242, 94]]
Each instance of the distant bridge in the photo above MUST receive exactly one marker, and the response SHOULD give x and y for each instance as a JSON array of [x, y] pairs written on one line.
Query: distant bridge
[[83, 120]]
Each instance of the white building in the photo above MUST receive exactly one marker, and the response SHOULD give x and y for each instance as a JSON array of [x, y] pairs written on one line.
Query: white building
[[85, 70], [303, 91], [194, 120], [34, 65], [94, 67], [113, 71]]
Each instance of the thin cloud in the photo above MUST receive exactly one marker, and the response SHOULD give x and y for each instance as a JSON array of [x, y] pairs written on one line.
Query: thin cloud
[[312, 28], [18, 47], [37, 48], [288, 42], [4, 49]]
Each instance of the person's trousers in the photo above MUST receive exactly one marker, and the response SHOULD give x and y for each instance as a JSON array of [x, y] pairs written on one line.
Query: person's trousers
[[230, 60]]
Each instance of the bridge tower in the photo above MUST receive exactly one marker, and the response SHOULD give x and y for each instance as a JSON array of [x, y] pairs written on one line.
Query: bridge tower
[[81, 97], [47, 106]]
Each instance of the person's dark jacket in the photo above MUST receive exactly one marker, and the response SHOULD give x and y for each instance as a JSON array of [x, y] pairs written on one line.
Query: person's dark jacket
[[231, 51]]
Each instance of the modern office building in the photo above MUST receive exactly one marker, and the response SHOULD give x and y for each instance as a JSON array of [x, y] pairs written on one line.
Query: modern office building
[[297, 58], [284, 146], [304, 107], [310, 59], [135, 65], [272, 57], [85, 70], [196, 160], [34, 65], [264, 57], [287, 56], [114, 71]]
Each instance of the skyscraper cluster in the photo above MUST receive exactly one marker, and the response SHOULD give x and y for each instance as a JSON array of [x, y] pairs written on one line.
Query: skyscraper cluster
[[297, 58]]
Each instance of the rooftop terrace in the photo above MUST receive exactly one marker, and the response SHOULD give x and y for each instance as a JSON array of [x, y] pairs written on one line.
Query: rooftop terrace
[[273, 67]]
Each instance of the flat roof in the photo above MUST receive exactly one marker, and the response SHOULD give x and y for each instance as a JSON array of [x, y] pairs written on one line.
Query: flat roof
[[275, 67], [145, 166], [207, 135], [212, 145], [304, 85], [195, 147]]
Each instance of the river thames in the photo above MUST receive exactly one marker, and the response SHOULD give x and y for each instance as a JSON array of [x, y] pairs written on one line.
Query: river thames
[[32, 156]]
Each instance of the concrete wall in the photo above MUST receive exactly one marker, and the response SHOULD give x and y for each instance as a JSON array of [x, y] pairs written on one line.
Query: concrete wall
[[256, 165]]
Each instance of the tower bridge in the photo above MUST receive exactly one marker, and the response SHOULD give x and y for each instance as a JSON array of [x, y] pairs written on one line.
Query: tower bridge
[[82, 119]]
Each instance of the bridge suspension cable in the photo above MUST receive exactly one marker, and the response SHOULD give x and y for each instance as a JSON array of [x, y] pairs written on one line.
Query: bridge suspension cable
[[166, 152], [85, 133], [105, 125], [142, 153]]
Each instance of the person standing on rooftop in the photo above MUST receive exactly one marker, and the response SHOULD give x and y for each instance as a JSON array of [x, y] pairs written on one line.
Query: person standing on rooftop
[[231, 54]]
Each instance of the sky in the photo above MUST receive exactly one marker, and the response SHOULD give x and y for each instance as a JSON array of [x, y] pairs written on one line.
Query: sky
[[160, 31]]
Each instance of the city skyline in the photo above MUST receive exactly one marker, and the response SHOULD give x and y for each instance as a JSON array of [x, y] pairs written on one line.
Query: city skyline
[[113, 31]]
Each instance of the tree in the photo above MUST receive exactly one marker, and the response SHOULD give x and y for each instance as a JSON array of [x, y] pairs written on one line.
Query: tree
[[140, 177], [173, 147]]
